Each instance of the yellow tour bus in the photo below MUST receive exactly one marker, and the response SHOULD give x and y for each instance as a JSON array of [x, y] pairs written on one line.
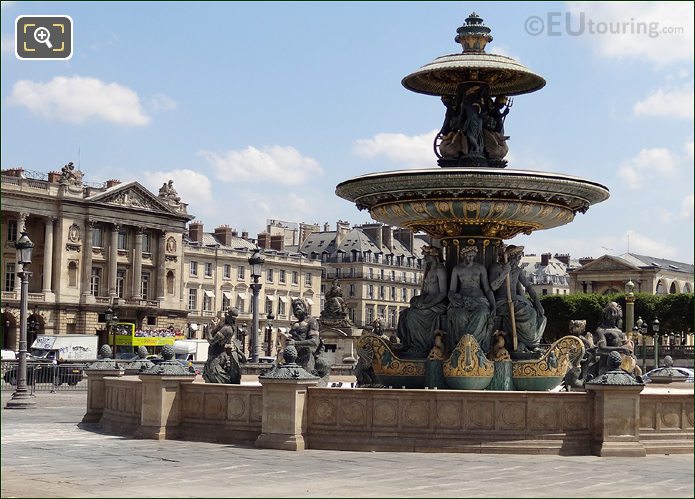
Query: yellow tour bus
[[125, 334]]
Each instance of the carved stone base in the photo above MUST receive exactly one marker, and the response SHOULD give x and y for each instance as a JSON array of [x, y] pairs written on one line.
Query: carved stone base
[[479, 162], [21, 401], [281, 442]]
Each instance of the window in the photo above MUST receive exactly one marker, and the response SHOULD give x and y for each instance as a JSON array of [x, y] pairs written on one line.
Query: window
[[282, 278], [382, 292], [207, 300], [145, 285], [281, 309], [72, 274], [95, 281], [381, 274], [97, 237], [370, 273], [352, 271], [404, 294], [170, 282], [269, 275], [227, 271], [12, 230], [393, 275], [226, 302], [241, 272], [120, 282], [268, 305], [307, 279], [295, 277], [9, 276], [192, 299], [146, 243], [369, 314], [545, 291], [394, 297], [392, 317], [194, 269], [122, 239], [208, 269], [240, 303], [352, 290], [370, 291]]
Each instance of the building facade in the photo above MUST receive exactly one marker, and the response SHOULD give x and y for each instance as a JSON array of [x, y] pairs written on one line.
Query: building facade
[[379, 268], [216, 276], [610, 274], [546, 273], [95, 245]]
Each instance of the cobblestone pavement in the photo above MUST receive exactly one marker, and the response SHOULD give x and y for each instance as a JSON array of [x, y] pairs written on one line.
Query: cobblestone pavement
[[46, 454]]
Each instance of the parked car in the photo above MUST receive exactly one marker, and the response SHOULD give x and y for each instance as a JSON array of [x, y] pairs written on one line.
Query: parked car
[[47, 373], [8, 354], [686, 371]]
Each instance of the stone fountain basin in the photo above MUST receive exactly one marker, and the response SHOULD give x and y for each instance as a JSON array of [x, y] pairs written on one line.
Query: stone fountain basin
[[487, 202]]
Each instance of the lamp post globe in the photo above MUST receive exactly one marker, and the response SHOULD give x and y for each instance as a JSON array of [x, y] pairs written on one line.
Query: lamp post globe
[[256, 261], [21, 398], [269, 333]]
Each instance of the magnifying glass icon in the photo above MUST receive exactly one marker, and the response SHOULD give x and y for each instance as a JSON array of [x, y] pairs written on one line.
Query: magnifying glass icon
[[42, 35]]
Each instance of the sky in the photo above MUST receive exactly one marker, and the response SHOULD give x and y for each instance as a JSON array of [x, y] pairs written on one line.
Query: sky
[[258, 110]]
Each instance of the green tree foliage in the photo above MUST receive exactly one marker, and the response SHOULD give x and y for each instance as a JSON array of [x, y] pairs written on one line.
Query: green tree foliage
[[675, 311]]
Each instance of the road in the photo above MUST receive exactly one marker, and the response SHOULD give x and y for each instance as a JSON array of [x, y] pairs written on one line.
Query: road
[[47, 453]]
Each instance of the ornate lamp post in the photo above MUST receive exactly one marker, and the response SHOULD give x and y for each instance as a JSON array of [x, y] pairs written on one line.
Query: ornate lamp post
[[111, 319], [21, 398], [641, 328], [655, 330], [256, 262], [629, 306], [269, 334]]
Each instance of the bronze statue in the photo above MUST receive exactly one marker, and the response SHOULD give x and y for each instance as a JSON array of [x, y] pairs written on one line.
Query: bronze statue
[[610, 338], [334, 307], [472, 305], [522, 319], [304, 335], [417, 324], [224, 353]]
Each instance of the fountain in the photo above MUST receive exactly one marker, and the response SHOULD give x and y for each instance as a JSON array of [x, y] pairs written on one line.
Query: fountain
[[470, 205]]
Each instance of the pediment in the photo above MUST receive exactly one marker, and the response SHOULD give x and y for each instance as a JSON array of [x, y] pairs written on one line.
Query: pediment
[[131, 195], [607, 263]]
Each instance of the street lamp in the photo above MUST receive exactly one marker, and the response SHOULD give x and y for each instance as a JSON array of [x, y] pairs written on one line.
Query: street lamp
[[21, 398], [655, 330], [111, 318], [269, 333], [256, 262]]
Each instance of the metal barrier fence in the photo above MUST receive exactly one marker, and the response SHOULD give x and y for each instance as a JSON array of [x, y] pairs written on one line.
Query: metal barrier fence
[[45, 376]]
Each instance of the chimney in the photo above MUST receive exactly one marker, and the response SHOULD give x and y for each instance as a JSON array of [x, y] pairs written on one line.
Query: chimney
[[245, 235], [195, 231], [545, 258], [387, 236], [111, 182], [406, 237], [341, 230], [223, 233], [277, 242], [264, 240], [564, 258], [14, 172], [235, 233], [584, 260], [54, 177], [326, 227]]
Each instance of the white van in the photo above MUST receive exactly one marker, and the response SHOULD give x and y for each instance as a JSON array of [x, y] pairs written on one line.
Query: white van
[[8, 354]]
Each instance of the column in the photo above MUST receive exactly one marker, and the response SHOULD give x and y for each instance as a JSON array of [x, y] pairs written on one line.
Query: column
[[87, 259], [590, 287], [161, 268], [137, 264], [48, 255], [113, 260]]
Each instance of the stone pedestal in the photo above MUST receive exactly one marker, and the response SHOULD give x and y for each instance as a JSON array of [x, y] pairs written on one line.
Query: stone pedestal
[[161, 415], [284, 413], [616, 420], [96, 392]]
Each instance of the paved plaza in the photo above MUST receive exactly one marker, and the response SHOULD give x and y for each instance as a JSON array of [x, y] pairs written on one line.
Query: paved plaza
[[47, 453]]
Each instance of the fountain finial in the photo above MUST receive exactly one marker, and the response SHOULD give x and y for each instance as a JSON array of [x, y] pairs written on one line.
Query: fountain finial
[[473, 35]]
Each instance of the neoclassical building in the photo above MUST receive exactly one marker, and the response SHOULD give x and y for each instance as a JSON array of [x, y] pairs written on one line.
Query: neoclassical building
[[610, 274], [95, 245], [379, 268], [217, 276]]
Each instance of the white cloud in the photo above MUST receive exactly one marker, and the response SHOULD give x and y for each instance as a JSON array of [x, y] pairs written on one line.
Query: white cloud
[[193, 187], [644, 245], [635, 171], [501, 50], [80, 99], [281, 164], [660, 32], [161, 102], [413, 151], [7, 44], [689, 150], [667, 103], [687, 206]]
